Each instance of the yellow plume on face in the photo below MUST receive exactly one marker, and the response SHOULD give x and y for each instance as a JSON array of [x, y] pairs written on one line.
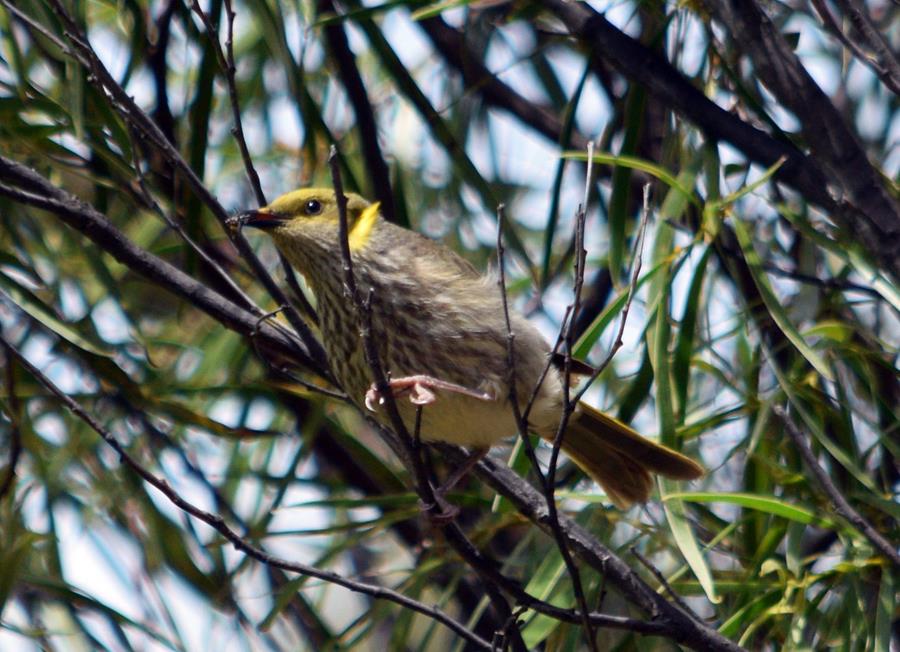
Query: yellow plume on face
[[362, 229]]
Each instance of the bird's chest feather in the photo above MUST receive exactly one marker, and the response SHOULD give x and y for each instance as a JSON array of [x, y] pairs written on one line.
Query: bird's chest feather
[[415, 332], [420, 331]]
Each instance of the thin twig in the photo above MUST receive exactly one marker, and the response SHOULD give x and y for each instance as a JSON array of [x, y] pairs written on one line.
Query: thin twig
[[362, 307], [548, 481], [366, 128], [238, 128], [637, 262], [841, 506], [310, 387], [522, 425], [520, 417], [27, 187], [227, 64], [663, 582], [569, 405], [218, 523], [423, 487], [882, 59], [36, 26], [533, 504], [567, 334], [866, 208], [229, 69], [83, 217]]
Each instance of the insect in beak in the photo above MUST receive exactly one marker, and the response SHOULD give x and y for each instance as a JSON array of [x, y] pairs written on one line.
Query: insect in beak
[[260, 219]]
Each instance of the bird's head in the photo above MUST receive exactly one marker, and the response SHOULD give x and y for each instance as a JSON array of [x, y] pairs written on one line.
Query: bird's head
[[312, 214]]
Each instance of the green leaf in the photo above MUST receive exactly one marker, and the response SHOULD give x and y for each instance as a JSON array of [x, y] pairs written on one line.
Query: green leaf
[[767, 504], [621, 188], [816, 429], [542, 585], [885, 610], [849, 253], [728, 200], [773, 304], [638, 164], [437, 8], [658, 343], [684, 345]]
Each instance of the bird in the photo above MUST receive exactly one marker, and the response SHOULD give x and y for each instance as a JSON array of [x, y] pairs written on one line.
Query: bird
[[441, 336]]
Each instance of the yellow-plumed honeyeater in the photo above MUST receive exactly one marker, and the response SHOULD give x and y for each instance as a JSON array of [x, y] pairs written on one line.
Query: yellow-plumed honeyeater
[[441, 336]]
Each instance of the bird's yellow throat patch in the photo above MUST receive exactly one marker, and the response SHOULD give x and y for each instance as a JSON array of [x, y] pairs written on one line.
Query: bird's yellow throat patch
[[362, 230]]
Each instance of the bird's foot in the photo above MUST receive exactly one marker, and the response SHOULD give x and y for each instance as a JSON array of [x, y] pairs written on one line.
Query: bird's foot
[[421, 390], [448, 512], [445, 513]]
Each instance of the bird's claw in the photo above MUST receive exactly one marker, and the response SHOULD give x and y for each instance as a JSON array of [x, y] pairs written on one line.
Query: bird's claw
[[373, 399], [421, 395], [418, 395], [448, 512], [421, 390]]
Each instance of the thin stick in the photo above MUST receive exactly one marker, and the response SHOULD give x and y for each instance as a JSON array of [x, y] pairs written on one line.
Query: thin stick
[[226, 63], [423, 486], [637, 258], [663, 582], [520, 417], [841, 506], [93, 224], [176, 226], [547, 484], [569, 405]]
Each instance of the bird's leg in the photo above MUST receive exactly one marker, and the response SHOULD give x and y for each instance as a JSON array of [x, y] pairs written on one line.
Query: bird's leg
[[449, 511], [421, 390]]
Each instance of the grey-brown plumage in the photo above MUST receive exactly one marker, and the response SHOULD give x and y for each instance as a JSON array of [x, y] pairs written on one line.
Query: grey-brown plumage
[[433, 315]]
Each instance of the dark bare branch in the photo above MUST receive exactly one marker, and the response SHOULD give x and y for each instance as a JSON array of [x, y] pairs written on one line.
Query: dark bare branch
[[26, 186], [842, 506], [860, 200], [861, 203]]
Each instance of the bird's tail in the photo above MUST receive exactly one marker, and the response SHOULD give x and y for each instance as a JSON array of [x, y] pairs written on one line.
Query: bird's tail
[[619, 459]]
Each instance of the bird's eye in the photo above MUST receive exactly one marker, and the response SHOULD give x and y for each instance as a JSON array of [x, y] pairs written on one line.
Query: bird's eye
[[313, 207]]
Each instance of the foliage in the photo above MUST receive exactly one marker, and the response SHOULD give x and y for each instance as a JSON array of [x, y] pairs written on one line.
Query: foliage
[[769, 280]]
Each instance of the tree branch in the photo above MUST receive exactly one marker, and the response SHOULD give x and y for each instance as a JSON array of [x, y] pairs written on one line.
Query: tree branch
[[531, 503], [805, 173], [862, 203], [841, 506], [882, 60], [82, 51], [26, 186], [452, 46]]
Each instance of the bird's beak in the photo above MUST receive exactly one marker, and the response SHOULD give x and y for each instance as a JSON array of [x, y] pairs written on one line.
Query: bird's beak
[[261, 219]]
